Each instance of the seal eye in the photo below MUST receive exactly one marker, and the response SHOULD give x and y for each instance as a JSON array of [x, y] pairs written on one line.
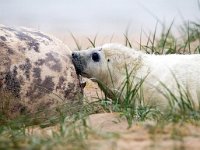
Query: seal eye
[[95, 57]]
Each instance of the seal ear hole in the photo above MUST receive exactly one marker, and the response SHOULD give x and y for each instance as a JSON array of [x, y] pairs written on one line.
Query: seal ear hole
[[108, 60]]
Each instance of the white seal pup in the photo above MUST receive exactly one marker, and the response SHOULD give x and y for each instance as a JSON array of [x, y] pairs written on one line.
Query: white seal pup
[[166, 77]]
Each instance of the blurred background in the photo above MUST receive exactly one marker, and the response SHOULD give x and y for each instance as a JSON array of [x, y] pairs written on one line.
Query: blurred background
[[106, 18]]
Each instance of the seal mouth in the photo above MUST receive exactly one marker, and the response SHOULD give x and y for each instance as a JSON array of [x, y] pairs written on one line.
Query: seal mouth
[[79, 71], [79, 65]]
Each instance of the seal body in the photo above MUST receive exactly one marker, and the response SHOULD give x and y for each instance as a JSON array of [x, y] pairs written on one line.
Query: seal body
[[35, 70], [165, 78]]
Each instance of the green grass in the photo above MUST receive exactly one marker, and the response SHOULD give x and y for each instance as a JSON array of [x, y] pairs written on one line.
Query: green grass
[[73, 131]]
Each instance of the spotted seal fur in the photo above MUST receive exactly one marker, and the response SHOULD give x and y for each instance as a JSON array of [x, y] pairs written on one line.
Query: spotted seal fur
[[35, 69]]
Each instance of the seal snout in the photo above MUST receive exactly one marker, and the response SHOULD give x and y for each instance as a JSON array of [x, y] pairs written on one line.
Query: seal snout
[[74, 55], [75, 58], [77, 62], [78, 67]]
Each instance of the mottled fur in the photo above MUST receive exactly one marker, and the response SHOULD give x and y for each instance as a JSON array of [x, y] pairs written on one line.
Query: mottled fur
[[36, 68]]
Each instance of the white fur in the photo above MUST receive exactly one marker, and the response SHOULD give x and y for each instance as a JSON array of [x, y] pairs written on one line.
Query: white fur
[[158, 70]]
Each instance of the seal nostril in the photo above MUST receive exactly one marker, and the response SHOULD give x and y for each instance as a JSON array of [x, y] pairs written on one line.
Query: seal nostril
[[74, 55]]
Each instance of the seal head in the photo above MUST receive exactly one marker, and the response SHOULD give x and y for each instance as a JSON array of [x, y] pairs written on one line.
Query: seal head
[[84, 60]]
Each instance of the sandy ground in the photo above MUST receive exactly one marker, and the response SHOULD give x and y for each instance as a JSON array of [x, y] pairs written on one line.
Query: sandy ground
[[140, 136], [112, 132]]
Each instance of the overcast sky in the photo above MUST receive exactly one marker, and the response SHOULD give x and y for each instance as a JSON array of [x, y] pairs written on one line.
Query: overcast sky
[[95, 16]]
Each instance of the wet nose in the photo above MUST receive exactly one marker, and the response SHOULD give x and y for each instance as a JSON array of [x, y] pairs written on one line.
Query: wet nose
[[74, 55]]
